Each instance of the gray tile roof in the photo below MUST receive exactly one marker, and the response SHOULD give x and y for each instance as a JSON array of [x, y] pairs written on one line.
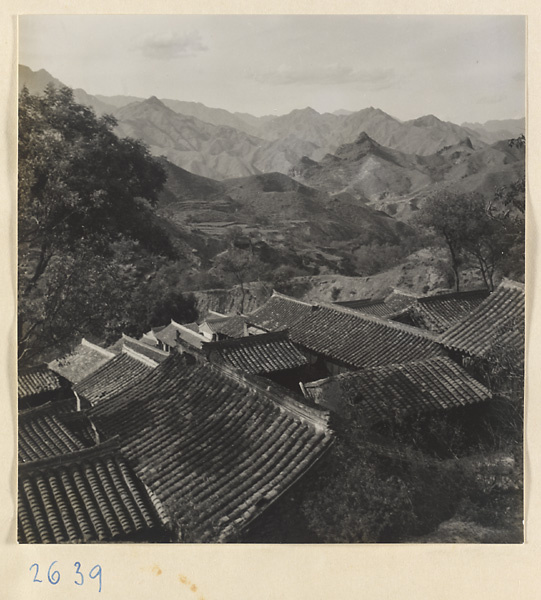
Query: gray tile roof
[[257, 354], [498, 320], [215, 448], [419, 386]]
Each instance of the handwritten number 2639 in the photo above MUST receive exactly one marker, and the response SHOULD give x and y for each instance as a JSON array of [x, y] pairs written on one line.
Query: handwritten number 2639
[[53, 575]]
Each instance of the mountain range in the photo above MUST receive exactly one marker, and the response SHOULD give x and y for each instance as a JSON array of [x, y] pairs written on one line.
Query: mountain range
[[396, 182], [219, 144], [322, 193], [273, 208]]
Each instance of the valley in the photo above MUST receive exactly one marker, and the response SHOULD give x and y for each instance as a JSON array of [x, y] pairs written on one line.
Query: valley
[[309, 195], [270, 283]]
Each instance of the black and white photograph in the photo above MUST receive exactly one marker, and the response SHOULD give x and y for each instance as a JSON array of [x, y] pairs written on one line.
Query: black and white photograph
[[271, 279]]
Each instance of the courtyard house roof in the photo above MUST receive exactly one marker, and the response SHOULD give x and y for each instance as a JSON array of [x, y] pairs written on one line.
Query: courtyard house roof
[[215, 447], [279, 312], [73, 490], [379, 392], [120, 372], [360, 340], [84, 359], [39, 380], [257, 354], [497, 322]]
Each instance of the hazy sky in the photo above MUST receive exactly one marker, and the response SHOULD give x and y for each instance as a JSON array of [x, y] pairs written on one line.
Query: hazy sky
[[458, 68]]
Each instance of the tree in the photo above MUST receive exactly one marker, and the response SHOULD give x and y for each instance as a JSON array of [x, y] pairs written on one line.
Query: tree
[[364, 495], [443, 213], [81, 189], [240, 267], [160, 299], [470, 228], [77, 180], [79, 293]]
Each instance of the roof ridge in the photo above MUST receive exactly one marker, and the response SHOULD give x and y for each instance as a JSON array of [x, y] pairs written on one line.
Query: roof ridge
[[372, 318], [215, 314], [369, 301], [452, 295], [138, 357], [511, 283], [107, 353], [140, 343], [406, 293], [319, 419], [249, 340], [285, 297], [110, 446], [48, 407]]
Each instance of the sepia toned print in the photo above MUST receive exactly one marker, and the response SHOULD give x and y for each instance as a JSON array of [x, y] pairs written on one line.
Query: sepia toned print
[[272, 296]]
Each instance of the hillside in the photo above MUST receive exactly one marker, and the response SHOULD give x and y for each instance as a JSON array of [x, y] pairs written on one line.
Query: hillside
[[310, 194], [494, 131], [287, 222], [216, 143], [422, 136], [365, 169], [395, 181], [37, 81], [269, 199]]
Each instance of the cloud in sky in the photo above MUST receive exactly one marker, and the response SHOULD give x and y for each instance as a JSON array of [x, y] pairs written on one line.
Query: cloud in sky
[[331, 74], [491, 99], [167, 45], [456, 67]]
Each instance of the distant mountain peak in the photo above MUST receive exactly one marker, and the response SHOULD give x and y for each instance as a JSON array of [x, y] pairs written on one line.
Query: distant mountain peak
[[154, 101], [364, 138], [427, 121], [308, 110]]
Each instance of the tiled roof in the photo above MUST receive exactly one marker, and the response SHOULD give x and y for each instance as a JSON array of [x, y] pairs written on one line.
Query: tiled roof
[[192, 326], [369, 307], [257, 354], [143, 349], [435, 313], [279, 312], [168, 335], [213, 446], [360, 340], [439, 312], [433, 384], [86, 357], [395, 302], [72, 489], [498, 320], [44, 432], [230, 326], [112, 377], [175, 332], [39, 380], [84, 496]]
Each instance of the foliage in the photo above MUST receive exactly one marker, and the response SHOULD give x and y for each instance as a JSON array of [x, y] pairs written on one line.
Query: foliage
[[62, 302], [238, 267], [473, 229], [161, 298], [374, 258], [85, 196], [364, 496], [79, 182]]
